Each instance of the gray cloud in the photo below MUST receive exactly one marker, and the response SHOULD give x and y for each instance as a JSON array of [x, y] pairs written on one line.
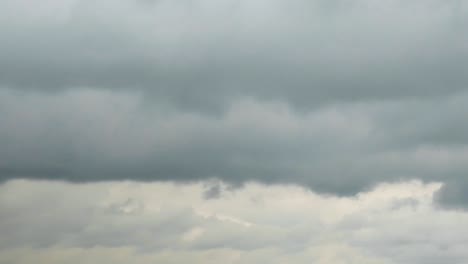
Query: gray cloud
[[201, 55], [94, 136], [213, 191], [333, 95]]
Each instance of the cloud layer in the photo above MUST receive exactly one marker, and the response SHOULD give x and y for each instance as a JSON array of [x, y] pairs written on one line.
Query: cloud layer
[[336, 96], [123, 222], [92, 135]]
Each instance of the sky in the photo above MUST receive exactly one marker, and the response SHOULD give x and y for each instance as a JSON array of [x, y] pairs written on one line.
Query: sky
[[235, 131]]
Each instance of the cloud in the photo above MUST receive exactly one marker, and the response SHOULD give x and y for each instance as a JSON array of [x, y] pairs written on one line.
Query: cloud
[[90, 135], [336, 96], [201, 55], [213, 191], [147, 222]]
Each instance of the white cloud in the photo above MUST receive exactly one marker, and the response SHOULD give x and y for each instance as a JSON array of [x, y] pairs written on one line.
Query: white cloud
[[144, 222]]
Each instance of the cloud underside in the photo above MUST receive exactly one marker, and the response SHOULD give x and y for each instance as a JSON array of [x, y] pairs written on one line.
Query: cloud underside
[[336, 96], [122, 222]]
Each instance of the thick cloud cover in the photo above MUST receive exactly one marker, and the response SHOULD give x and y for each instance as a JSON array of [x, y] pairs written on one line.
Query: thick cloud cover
[[89, 136], [333, 95], [203, 54]]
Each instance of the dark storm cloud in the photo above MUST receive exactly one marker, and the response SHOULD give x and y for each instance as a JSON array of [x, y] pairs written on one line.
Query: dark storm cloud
[[333, 95]]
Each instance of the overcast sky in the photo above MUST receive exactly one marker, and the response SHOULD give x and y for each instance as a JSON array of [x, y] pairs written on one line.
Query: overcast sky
[[236, 131]]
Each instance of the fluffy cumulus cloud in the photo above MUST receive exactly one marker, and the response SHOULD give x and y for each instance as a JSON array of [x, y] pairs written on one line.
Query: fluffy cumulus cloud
[[104, 105]]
